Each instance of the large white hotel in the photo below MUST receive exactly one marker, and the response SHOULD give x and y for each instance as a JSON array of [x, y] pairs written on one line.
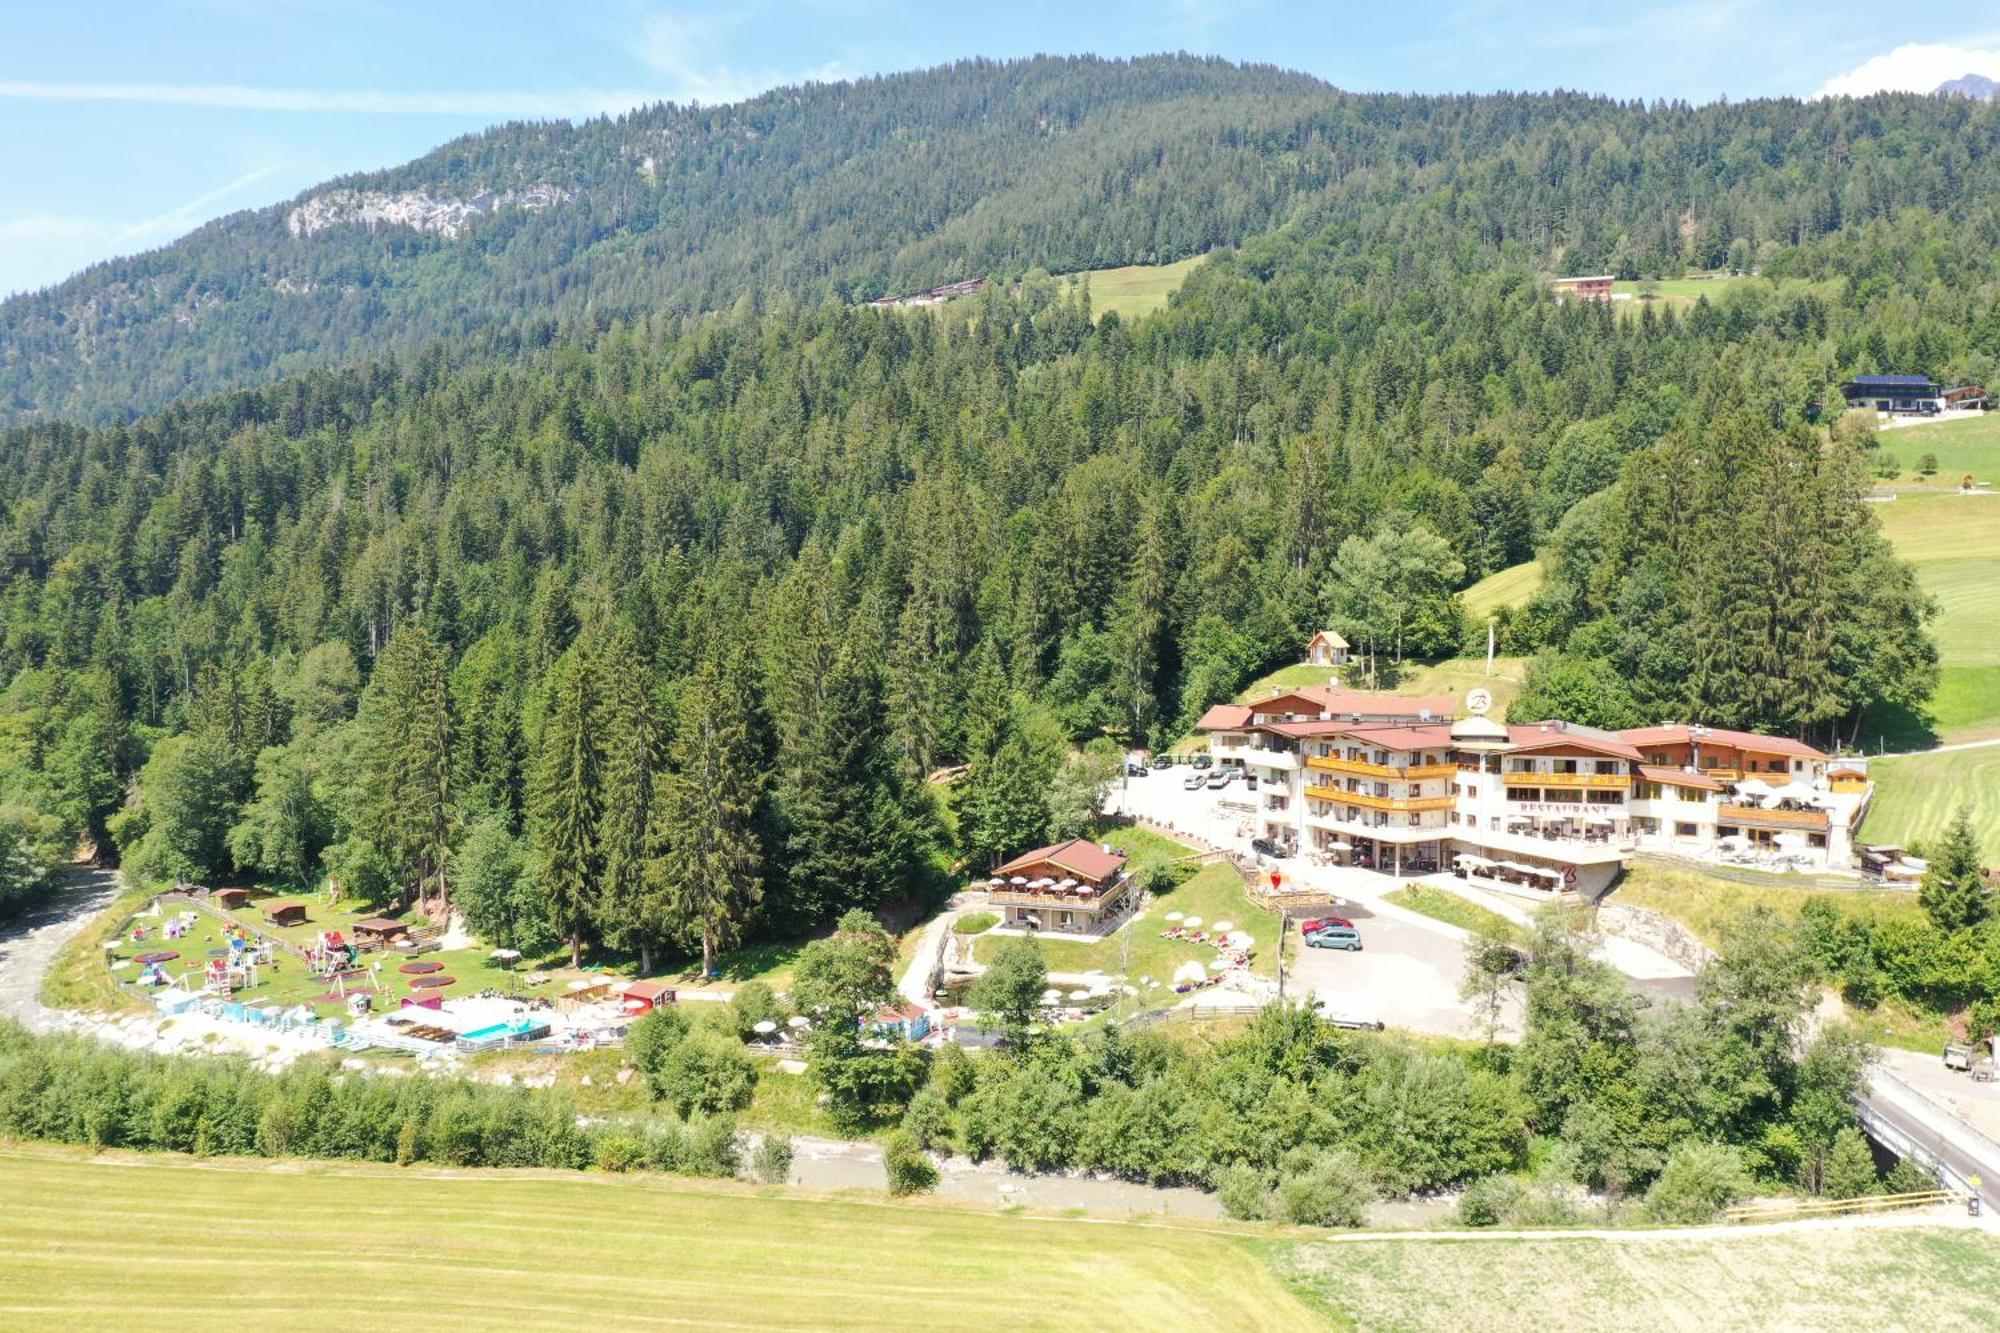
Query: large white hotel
[[1403, 784]]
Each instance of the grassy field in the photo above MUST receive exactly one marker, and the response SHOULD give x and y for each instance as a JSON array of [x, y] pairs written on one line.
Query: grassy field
[[1508, 587], [1939, 1276], [1136, 289], [169, 1243], [78, 978], [1453, 910], [1680, 293], [1968, 445], [1915, 796], [1954, 542]]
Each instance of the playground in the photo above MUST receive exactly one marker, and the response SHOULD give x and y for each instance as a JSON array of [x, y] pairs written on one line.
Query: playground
[[348, 977]]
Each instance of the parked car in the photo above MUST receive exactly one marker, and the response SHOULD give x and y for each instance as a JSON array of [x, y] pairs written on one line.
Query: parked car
[[1335, 937], [1163, 761], [1319, 923], [1348, 1018], [1221, 778], [1204, 761], [1136, 770], [1265, 847], [1194, 782]]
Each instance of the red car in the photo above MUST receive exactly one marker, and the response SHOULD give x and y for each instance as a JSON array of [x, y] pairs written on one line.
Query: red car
[[1322, 922]]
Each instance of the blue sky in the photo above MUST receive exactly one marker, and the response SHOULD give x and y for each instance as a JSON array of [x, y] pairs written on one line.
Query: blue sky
[[128, 122]]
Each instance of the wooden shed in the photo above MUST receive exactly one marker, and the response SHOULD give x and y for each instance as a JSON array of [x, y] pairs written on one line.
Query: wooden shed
[[230, 900], [379, 932], [641, 996], [285, 914]]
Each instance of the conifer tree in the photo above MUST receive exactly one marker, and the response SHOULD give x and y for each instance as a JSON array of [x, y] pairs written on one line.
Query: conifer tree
[[708, 861], [566, 801], [634, 915], [404, 798], [1953, 893]]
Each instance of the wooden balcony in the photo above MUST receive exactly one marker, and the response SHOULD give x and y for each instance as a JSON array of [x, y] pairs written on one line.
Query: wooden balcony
[[1361, 768], [1587, 781], [1369, 801], [1816, 820]]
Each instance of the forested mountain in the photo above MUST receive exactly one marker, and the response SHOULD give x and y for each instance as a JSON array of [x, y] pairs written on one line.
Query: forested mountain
[[893, 184], [644, 630]]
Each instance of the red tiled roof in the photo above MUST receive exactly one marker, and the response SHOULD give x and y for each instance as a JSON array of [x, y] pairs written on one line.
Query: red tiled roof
[[1532, 736], [1224, 717], [1080, 856], [1678, 777], [1402, 738], [898, 1013], [647, 990], [1741, 740], [1346, 703]]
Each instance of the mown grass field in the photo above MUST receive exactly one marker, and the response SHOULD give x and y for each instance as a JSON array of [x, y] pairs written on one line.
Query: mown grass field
[[1916, 795], [1968, 445], [165, 1243], [1954, 542], [1136, 289], [1898, 1276], [1680, 293], [1506, 587]]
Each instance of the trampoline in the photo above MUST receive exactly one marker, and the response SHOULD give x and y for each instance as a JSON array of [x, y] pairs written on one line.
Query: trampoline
[[159, 956], [421, 969], [432, 982]]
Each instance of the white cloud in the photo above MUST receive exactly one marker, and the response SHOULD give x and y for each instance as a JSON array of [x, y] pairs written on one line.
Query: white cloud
[[1916, 68], [687, 49], [39, 248], [239, 97]]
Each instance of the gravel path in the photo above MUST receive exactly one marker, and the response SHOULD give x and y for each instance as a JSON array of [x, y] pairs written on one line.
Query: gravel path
[[29, 942]]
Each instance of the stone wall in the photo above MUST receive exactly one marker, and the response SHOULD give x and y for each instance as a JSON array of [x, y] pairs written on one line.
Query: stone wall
[[1660, 933]]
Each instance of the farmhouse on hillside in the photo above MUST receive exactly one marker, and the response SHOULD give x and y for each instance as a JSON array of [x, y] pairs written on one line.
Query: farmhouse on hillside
[[1596, 288], [1894, 393], [1074, 887]]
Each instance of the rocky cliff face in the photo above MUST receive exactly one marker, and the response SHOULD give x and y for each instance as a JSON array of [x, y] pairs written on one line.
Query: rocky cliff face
[[438, 216]]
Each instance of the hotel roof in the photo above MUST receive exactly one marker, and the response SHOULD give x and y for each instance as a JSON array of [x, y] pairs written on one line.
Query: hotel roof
[[1679, 777], [1224, 717], [1677, 734]]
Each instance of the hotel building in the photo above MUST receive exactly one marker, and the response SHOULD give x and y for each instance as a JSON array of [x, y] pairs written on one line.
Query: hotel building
[[1397, 784]]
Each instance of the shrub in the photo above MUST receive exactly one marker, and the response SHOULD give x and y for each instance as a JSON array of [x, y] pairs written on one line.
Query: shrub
[[1906, 1177], [1490, 1200], [713, 1148], [928, 1119], [772, 1161], [706, 1074], [909, 1169], [754, 1003], [1244, 1192], [657, 1033], [952, 1074], [975, 923], [620, 1152], [1324, 1188], [1850, 1169], [1698, 1182]]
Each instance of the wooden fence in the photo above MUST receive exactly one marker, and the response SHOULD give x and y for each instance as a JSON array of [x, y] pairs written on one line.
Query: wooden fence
[[1791, 1210]]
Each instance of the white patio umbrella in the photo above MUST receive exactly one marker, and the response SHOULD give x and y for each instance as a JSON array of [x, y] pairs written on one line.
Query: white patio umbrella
[[764, 1027], [1079, 994], [1791, 840], [1225, 926], [1191, 922], [1190, 971], [798, 1021], [1175, 916], [1051, 997], [1218, 965], [1240, 939]]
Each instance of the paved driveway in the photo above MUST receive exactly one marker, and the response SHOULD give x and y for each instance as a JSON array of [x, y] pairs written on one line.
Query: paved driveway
[[1406, 976]]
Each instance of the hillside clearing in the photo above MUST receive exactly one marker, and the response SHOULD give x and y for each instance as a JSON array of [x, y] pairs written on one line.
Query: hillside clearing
[[1708, 906], [1969, 445], [107, 1242], [1136, 289], [1507, 587], [1938, 1276], [1954, 542], [1454, 675]]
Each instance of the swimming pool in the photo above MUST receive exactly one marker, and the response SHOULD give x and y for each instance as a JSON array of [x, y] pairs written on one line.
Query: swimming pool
[[500, 1032]]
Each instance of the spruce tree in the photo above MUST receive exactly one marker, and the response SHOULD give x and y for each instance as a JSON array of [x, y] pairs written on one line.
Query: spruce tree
[[565, 803], [708, 862], [404, 801], [1953, 893], [633, 916]]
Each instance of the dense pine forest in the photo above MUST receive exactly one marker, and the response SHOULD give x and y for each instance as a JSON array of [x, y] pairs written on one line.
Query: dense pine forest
[[637, 617]]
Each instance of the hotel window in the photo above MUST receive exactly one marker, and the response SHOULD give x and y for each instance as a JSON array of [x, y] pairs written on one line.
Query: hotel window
[[1683, 830]]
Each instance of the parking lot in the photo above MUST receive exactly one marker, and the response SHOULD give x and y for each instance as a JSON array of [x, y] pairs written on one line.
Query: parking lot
[[1405, 976]]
